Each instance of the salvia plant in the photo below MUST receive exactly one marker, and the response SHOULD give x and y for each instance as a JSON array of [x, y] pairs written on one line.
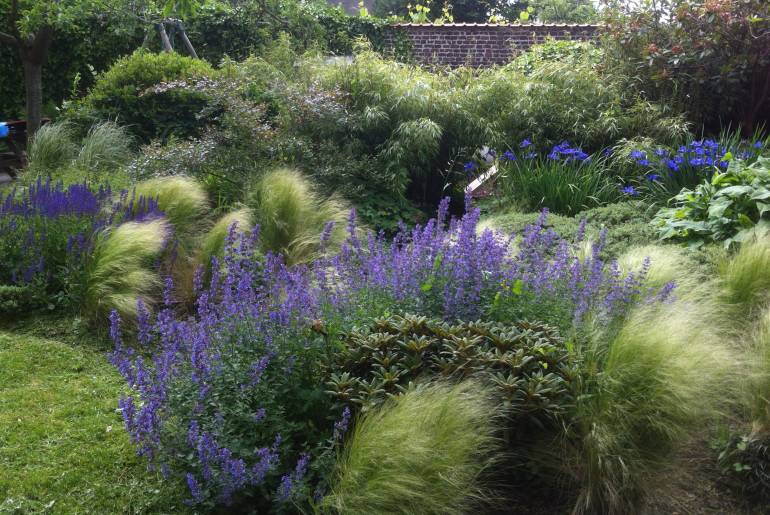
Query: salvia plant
[[232, 401], [47, 233]]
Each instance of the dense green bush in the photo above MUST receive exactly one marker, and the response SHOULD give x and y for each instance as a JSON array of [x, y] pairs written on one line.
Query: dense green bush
[[527, 364], [708, 58], [132, 93], [731, 207]]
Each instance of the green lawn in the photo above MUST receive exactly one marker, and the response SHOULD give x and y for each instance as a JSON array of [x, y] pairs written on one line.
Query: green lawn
[[62, 444]]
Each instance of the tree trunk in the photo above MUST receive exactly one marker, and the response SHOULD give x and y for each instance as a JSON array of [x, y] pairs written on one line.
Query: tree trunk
[[33, 86]]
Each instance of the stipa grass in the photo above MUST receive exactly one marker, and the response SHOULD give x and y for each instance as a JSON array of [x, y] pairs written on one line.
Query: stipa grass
[[643, 392], [746, 276], [182, 199], [213, 242], [292, 216], [52, 148], [106, 147], [120, 273], [421, 453]]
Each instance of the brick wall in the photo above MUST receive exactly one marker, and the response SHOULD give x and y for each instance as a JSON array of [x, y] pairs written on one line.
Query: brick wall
[[479, 44]]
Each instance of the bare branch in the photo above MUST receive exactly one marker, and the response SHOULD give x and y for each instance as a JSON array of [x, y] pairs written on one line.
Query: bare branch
[[7, 39]]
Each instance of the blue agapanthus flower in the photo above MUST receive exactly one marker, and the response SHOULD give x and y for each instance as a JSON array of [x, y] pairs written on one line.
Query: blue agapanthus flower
[[525, 143], [661, 152], [630, 190], [653, 177], [508, 156], [757, 144], [637, 154], [470, 166]]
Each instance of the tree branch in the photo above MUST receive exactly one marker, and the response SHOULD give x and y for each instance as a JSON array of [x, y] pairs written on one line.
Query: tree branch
[[7, 39]]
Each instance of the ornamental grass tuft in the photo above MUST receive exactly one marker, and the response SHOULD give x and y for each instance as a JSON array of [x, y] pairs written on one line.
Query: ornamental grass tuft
[[120, 272], [292, 216], [422, 452], [52, 148], [182, 199], [644, 391], [745, 276]]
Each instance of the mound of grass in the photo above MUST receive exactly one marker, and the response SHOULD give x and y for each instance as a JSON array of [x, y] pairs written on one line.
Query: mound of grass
[[422, 452], [182, 199], [746, 276], [119, 272], [52, 148], [62, 444], [292, 216]]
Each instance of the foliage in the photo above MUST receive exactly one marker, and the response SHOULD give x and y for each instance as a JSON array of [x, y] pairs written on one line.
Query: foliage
[[730, 207], [422, 452], [564, 11], [262, 328], [100, 155], [744, 276], [566, 181], [709, 58], [15, 300], [106, 147], [125, 94], [292, 217], [660, 173], [119, 274], [553, 50], [45, 238], [642, 390], [746, 459], [181, 199], [213, 242], [626, 224], [52, 148], [526, 365]]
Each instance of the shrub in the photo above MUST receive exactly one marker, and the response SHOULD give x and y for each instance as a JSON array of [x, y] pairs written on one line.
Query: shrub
[[525, 363], [626, 224], [422, 452], [731, 207], [119, 272], [291, 216], [15, 300], [707, 58], [566, 181], [123, 94]]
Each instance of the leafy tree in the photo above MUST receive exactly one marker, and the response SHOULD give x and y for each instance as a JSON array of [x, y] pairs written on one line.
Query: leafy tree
[[564, 11], [30, 26]]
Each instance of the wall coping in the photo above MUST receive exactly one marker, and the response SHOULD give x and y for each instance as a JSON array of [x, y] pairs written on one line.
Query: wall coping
[[522, 25]]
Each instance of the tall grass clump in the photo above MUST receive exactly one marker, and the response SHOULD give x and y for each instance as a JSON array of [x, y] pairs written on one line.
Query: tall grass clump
[[213, 242], [52, 148], [120, 269], [665, 264], [759, 386], [422, 452], [292, 216], [745, 276], [182, 199], [644, 391], [107, 146]]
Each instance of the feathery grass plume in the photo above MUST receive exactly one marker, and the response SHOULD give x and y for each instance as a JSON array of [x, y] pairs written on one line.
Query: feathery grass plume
[[120, 269], [106, 147], [52, 148], [292, 216], [666, 264], [643, 391], [213, 242], [745, 277], [182, 199], [420, 453], [759, 382]]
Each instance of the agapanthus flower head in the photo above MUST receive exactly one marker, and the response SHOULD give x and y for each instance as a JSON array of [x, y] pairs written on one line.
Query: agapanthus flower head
[[525, 143], [508, 156], [630, 190]]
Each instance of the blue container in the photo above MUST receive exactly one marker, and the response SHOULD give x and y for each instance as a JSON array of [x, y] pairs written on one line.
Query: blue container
[[4, 130]]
